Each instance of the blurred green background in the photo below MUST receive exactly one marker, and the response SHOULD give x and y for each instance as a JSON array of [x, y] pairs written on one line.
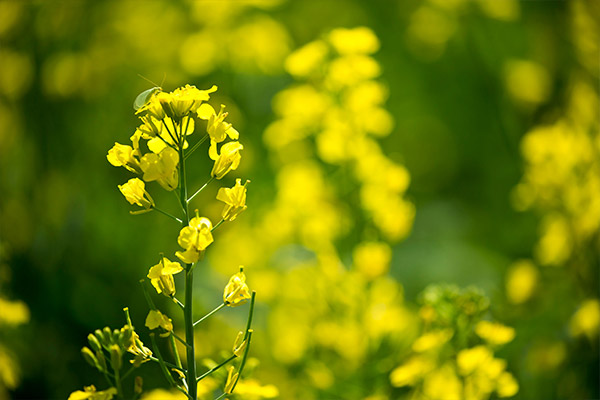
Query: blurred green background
[[495, 118]]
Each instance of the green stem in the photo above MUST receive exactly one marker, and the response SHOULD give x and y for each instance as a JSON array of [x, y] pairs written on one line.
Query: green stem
[[161, 361], [202, 188], [180, 339], [168, 364], [180, 304], [217, 225], [190, 151], [167, 214], [209, 314], [118, 383], [244, 357], [204, 375], [175, 352], [189, 335]]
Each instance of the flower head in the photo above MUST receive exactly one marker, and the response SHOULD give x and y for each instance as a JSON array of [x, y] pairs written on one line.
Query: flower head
[[228, 160], [135, 193], [161, 276], [183, 100], [195, 238], [234, 199], [236, 292]]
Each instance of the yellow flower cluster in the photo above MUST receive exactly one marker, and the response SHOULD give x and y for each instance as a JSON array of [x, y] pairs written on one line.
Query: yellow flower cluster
[[441, 365], [167, 120], [339, 104]]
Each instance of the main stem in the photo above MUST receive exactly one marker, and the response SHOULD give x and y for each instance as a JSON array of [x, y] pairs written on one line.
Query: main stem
[[189, 283]]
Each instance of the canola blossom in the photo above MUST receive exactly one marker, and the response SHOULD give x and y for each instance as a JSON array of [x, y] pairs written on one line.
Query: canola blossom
[[167, 124]]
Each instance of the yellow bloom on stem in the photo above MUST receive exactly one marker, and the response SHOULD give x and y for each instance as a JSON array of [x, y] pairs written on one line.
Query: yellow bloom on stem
[[161, 167], [183, 100], [228, 160], [161, 276], [231, 378], [157, 319], [216, 128], [240, 344], [135, 193], [121, 155], [137, 348], [236, 291], [90, 393], [195, 238], [152, 107], [234, 199]]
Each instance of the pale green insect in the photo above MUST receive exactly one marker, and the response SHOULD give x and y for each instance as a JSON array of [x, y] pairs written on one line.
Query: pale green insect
[[143, 97]]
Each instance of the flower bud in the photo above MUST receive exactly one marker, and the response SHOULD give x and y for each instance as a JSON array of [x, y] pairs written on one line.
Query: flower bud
[[115, 357], [107, 336], [94, 343], [101, 361], [90, 357]]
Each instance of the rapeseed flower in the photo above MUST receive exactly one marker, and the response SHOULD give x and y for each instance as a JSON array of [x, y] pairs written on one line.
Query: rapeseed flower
[[161, 167], [157, 319], [228, 160], [236, 291], [161, 276], [195, 238], [135, 193], [121, 155], [234, 199]]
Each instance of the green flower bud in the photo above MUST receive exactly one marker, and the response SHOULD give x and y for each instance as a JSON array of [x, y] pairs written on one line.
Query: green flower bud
[[107, 336], [90, 357], [100, 336], [115, 357], [101, 361], [125, 336], [94, 343]]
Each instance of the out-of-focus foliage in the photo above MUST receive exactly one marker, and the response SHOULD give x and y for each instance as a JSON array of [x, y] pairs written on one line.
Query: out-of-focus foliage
[[390, 145]]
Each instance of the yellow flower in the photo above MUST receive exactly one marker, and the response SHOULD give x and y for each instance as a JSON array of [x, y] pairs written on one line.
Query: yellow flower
[[236, 292], [231, 378], [155, 319], [13, 312], [135, 193], [137, 348], [217, 128], [152, 107], [234, 199], [183, 100], [170, 133], [240, 344], [252, 389], [121, 155], [90, 393], [161, 167], [161, 276], [494, 333], [195, 238], [228, 160]]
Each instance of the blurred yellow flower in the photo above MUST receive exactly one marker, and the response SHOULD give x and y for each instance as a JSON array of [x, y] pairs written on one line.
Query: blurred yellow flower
[[372, 259], [161, 276], [527, 81], [443, 384], [521, 281], [360, 40], [90, 393], [228, 160], [494, 333], [13, 312], [135, 193], [507, 385], [236, 291], [162, 394], [234, 199], [469, 360], [195, 238], [586, 321], [307, 59], [156, 319], [251, 389], [412, 371], [432, 340]]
